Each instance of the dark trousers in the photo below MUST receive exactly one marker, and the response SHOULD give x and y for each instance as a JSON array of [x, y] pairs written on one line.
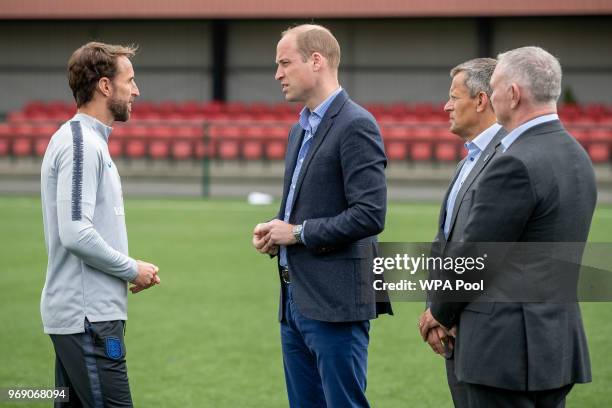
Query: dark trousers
[[482, 396], [92, 365], [325, 363], [458, 389]]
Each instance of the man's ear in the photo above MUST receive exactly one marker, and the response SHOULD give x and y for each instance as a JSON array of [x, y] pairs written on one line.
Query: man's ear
[[482, 101], [317, 61], [105, 86], [515, 95]]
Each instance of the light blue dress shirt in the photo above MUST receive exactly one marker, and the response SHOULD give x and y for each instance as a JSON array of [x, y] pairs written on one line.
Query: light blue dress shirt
[[474, 148], [512, 136], [309, 121]]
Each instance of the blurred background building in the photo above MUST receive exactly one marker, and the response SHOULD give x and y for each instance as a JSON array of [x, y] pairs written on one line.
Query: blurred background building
[[211, 119]]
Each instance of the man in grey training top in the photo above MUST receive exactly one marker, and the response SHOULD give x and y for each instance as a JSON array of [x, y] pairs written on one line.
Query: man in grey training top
[[84, 300]]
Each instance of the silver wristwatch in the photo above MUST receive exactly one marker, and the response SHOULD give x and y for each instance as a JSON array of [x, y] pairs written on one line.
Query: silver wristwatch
[[297, 233]]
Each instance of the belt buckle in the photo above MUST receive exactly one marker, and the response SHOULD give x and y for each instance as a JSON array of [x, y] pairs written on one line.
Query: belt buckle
[[285, 275]]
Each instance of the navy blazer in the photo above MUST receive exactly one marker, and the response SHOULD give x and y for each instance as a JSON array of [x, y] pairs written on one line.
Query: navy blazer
[[341, 193]]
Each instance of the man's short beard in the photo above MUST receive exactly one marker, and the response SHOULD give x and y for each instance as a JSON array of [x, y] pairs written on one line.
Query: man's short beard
[[119, 110]]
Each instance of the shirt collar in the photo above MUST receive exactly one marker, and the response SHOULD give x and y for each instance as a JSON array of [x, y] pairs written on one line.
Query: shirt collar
[[512, 136], [95, 124], [306, 115], [481, 141]]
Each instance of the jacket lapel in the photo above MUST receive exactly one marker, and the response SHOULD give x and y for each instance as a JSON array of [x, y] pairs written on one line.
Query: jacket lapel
[[319, 137], [293, 147], [441, 216], [482, 162]]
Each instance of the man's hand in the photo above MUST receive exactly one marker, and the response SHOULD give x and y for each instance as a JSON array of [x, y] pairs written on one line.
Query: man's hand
[[428, 322], [278, 233], [437, 338], [147, 277], [259, 240]]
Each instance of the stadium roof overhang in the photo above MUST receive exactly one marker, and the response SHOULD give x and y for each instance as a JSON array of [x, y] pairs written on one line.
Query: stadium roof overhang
[[253, 9]]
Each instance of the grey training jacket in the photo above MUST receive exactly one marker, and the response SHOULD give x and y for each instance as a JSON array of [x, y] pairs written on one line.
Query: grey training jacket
[[84, 225]]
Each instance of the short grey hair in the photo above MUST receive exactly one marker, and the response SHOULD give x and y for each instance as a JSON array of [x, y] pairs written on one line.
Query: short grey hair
[[478, 74], [534, 68]]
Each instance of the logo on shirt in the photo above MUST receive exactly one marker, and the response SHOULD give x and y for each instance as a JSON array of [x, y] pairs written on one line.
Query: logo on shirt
[[109, 164], [119, 211]]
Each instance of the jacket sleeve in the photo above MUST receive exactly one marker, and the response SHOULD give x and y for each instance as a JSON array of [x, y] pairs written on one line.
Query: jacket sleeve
[[78, 168], [502, 207], [363, 163]]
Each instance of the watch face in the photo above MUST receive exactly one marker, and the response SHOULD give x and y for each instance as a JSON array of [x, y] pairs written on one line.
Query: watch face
[[297, 232]]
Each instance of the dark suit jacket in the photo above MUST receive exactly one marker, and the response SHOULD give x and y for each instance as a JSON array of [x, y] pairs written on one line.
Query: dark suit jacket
[[341, 193], [462, 204], [542, 189]]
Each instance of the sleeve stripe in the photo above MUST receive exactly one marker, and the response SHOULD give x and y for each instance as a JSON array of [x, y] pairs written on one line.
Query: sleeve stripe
[[77, 170]]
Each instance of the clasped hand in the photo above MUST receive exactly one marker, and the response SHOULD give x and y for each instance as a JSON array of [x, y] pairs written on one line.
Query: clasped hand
[[146, 278], [267, 237], [436, 335]]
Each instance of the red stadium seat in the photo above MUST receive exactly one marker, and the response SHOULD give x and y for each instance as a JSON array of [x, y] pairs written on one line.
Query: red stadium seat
[[275, 150], [6, 130], [421, 151], [580, 134], [159, 149], [22, 147], [252, 147], [599, 152], [115, 147], [235, 108], [601, 135], [42, 134], [4, 147], [397, 150], [395, 133], [396, 141], [23, 140], [595, 110], [184, 140], [182, 149], [447, 145], [15, 117], [409, 119], [160, 138], [135, 148], [276, 140], [423, 133], [446, 152], [226, 138], [135, 141], [6, 134]]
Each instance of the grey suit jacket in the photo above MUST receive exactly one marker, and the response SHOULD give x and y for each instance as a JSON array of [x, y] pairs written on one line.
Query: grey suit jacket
[[542, 189], [462, 201]]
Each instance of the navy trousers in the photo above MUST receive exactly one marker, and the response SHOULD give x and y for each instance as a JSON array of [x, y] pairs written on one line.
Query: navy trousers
[[325, 363]]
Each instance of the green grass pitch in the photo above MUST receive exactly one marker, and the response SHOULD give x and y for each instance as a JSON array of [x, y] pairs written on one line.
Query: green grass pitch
[[208, 336]]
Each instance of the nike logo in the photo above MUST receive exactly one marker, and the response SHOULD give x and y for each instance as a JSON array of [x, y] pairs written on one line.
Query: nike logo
[[109, 164]]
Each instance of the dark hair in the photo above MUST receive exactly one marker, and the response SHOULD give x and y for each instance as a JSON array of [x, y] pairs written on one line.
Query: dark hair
[[91, 62]]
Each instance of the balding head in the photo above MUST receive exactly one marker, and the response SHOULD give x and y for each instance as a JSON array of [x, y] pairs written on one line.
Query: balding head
[[311, 38]]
